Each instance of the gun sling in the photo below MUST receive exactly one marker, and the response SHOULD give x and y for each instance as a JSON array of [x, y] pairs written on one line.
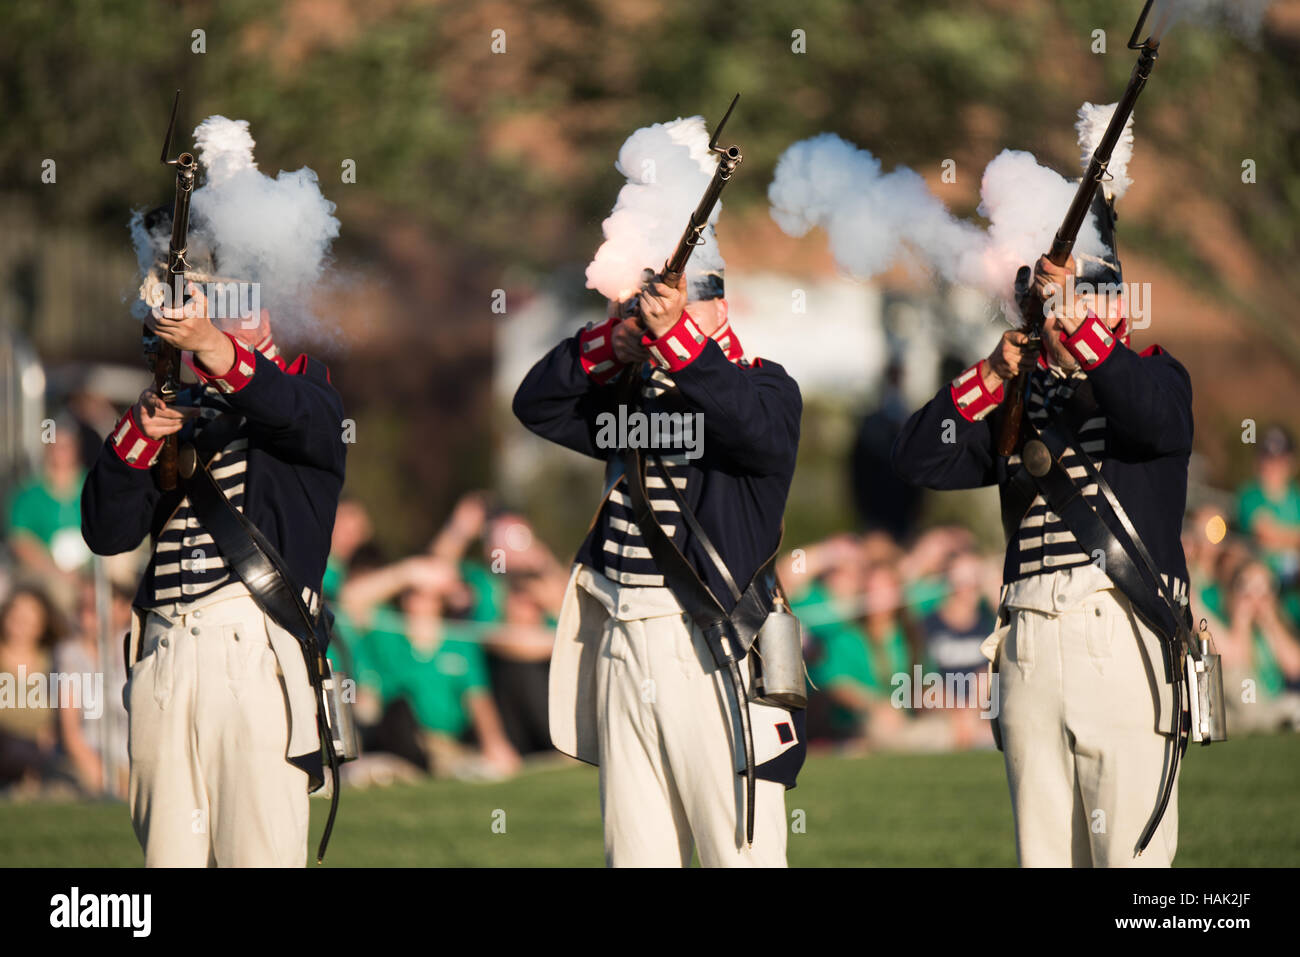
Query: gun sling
[[262, 569], [1105, 528], [728, 636]]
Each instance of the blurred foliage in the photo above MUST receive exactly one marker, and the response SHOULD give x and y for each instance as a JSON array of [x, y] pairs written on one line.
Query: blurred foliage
[[507, 158], [506, 149]]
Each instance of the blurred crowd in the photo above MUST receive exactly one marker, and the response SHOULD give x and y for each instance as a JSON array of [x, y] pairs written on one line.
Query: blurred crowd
[[449, 648]]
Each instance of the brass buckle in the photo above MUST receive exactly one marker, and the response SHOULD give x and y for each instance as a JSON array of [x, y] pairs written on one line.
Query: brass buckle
[[1037, 459], [187, 461]]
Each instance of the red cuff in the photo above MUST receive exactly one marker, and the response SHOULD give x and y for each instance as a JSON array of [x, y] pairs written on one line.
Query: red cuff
[[596, 351], [1091, 343], [131, 444], [971, 395], [239, 374], [679, 346]]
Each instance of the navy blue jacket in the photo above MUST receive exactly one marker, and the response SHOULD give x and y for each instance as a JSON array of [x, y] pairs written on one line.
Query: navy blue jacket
[[737, 488], [295, 474], [1147, 401]]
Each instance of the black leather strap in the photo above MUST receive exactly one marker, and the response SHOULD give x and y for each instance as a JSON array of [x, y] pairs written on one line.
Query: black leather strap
[[260, 567], [726, 642], [697, 530], [1095, 530], [1100, 528]]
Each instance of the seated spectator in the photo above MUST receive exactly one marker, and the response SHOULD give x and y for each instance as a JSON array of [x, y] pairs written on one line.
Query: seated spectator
[[519, 649], [922, 566], [1268, 509], [45, 516], [352, 531], [854, 617], [422, 675], [1260, 654], [29, 628], [950, 646], [516, 589], [83, 735]]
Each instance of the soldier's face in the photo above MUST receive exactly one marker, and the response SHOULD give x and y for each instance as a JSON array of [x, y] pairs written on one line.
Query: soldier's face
[[244, 329], [709, 314]]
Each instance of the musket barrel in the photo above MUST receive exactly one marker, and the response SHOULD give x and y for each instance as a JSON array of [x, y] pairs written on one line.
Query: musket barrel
[[1063, 244]]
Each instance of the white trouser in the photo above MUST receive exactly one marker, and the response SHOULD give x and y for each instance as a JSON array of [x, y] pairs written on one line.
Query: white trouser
[[1083, 702], [667, 760], [210, 783]]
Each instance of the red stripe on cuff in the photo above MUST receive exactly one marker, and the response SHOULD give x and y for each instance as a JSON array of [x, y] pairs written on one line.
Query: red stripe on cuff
[[131, 444], [596, 351], [237, 376], [679, 346], [1091, 344], [971, 396]]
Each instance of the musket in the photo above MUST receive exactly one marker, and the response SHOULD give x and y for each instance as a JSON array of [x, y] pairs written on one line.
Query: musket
[[728, 159], [164, 359], [1031, 307]]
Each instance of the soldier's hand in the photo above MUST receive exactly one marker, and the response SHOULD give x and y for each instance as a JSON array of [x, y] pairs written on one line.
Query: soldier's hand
[[1015, 353], [158, 419], [1048, 285], [626, 340], [185, 326], [662, 305]]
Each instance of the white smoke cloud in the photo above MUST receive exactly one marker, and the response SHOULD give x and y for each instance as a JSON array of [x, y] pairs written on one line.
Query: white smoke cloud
[[274, 232], [668, 166], [875, 220]]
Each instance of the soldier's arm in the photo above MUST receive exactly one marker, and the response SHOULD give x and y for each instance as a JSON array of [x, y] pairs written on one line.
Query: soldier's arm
[[948, 443], [751, 413], [1146, 397], [298, 411], [119, 496], [566, 390]]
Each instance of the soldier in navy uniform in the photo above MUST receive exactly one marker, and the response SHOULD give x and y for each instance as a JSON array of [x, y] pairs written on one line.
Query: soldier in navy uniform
[[633, 687], [223, 736], [1085, 692]]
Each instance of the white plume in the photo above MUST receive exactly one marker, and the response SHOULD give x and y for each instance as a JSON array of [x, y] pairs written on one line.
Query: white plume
[[1091, 126], [667, 166]]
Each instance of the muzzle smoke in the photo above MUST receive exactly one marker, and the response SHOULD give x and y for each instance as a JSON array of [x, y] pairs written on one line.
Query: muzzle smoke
[[876, 220], [668, 166], [250, 227]]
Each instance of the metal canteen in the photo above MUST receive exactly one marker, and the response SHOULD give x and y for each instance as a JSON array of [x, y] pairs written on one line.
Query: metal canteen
[[779, 672], [342, 722], [1205, 704]]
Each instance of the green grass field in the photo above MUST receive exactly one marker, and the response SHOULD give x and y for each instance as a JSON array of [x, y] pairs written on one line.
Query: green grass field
[[1240, 806]]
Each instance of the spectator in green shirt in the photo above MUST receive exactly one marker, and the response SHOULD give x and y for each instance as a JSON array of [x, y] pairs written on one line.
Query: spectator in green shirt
[[412, 657], [1268, 507], [1260, 654], [44, 520], [852, 613]]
